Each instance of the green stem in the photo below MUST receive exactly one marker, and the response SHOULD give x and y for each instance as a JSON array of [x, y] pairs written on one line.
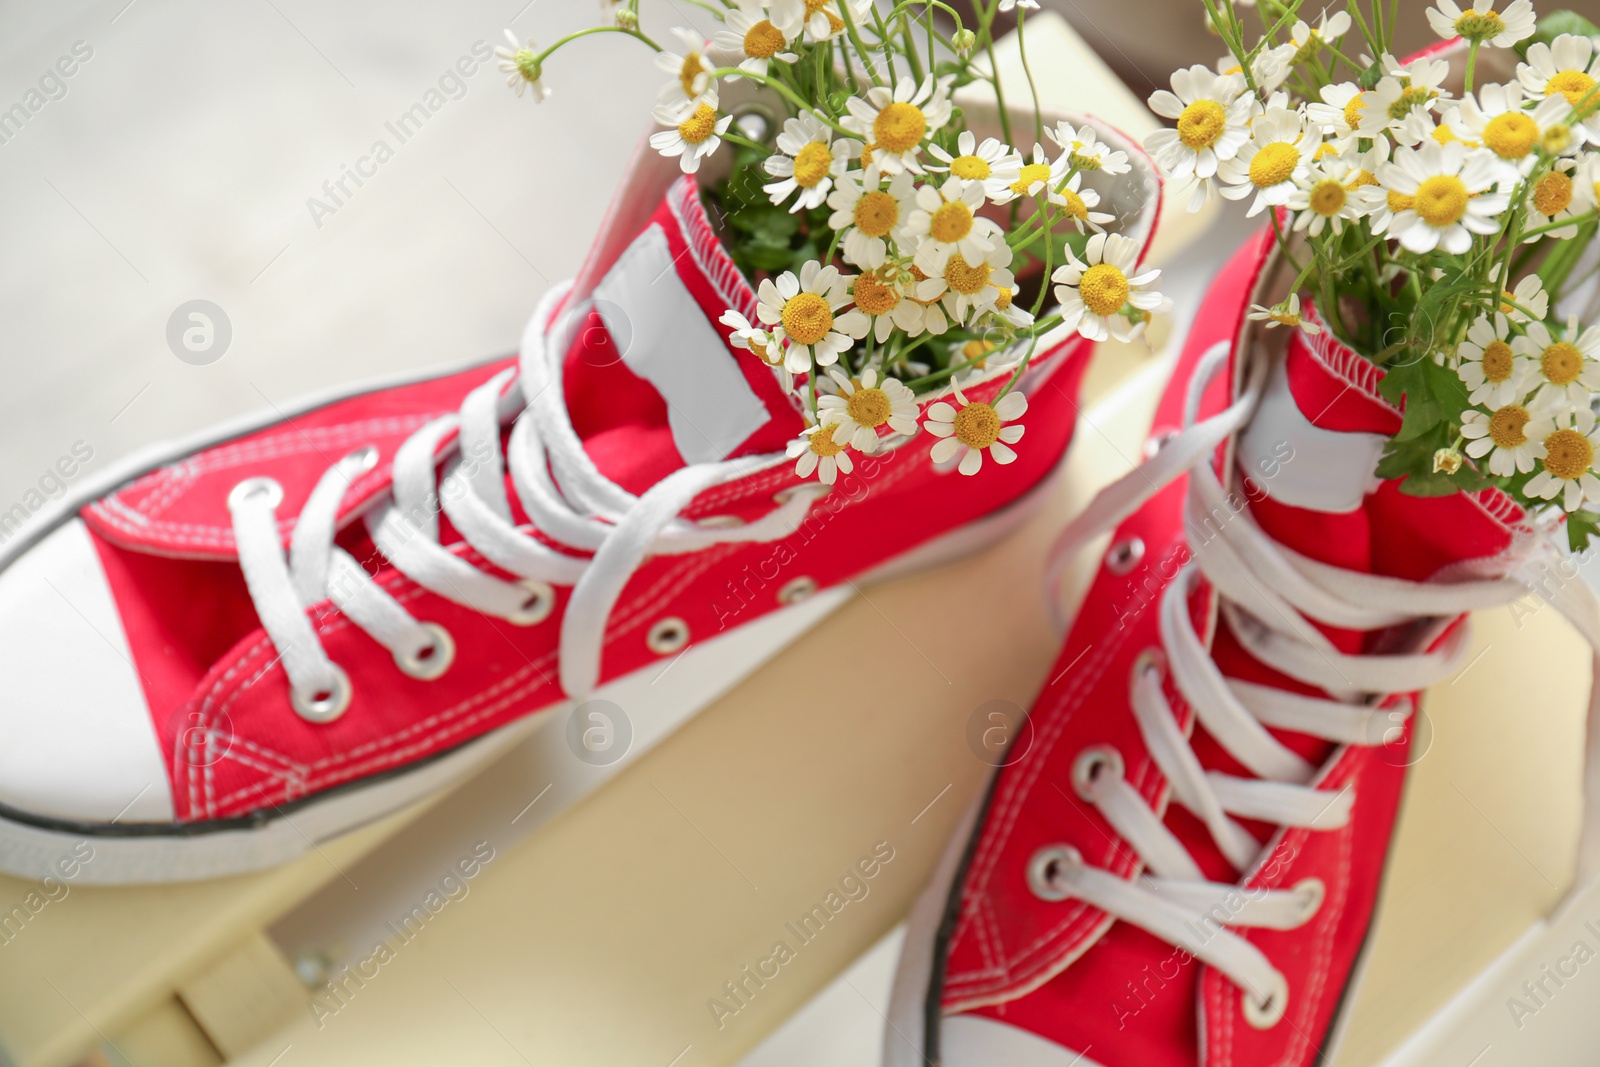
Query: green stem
[[1472, 63], [855, 40], [542, 56], [1022, 50]]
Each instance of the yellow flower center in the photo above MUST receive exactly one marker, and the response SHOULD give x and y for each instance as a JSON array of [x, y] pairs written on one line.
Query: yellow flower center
[[1352, 111], [1074, 206], [876, 213], [1480, 25], [1360, 178], [977, 425], [1567, 454], [700, 125], [1511, 135], [1328, 197], [1444, 135], [964, 278], [1033, 172], [763, 40], [899, 126], [1399, 202], [812, 163], [1082, 161], [1274, 164], [1506, 426], [951, 222], [813, 6], [690, 72], [1561, 363], [767, 355], [806, 318], [1553, 193], [1555, 140], [835, 23], [1409, 100], [1003, 301], [1441, 200], [1104, 289], [974, 350], [868, 407], [971, 168], [866, 154], [1497, 361], [823, 444], [873, 296], [918, 276], [1572, 84], [1201, 123]]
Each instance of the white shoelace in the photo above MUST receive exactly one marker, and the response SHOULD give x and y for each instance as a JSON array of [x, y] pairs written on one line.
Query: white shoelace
[[558, 486], [1266, 592]]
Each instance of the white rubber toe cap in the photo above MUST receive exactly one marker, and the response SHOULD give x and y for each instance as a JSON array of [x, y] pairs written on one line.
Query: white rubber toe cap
[[976, 1041], [76, 739]]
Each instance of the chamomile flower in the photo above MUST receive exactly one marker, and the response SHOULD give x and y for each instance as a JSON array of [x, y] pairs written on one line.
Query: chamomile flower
[[1496, 119], [1270, 68], [1077, 203], [976, 427], [803, 312], [1284, 314], [808, 159], [690, 68], [752, 338], [968, 291], [920, 299], [857, 411], [521, 67], [819, 454], [752, 39], [1481, 24], [696, 131], [868, 214], [1307, 41], [1212, 115], [821, 20], [1568, 373], [1527, 300], [896, 121], [945, 220], [992, 164], [1489, 365], [1405, 88], [1444, 197], [1338, 112], [1029, 5], [1034, 178], [1567, 66], [1094, 290], [1272, 163], [1085, 151], [1508, 435], [884, 302], [1566, 465], [1556, 197], [1324, 199]]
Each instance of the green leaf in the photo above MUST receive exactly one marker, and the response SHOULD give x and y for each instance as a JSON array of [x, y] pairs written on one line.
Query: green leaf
[[1556, 23], [1582, 526]]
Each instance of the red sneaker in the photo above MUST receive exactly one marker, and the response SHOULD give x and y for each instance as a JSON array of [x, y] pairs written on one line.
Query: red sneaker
[[280, 621], [1182, 868]]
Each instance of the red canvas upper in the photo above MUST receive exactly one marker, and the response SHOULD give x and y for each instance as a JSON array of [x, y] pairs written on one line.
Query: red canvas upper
[[1064, 970]]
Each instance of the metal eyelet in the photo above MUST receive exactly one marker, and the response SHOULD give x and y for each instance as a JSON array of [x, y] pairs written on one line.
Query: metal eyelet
[[816, 489], [720, 522], [432, 659], [1157, 441], [326, 705], [1312, 892], [541, 601], [1048, 868], [797, 590], [667, 636], [253, 489], [1125, 555], [362, 459], [1266, 1013], [1095, 768], [1151, 660]]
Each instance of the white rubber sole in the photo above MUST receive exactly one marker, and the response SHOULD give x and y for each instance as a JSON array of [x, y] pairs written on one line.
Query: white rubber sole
[[188, 853]]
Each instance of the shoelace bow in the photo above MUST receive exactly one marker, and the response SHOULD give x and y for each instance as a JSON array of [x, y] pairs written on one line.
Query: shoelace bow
[[560, 489], [1267, 593]]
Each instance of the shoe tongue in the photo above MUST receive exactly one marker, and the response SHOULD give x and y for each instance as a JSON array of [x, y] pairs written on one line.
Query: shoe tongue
[[651, 381]]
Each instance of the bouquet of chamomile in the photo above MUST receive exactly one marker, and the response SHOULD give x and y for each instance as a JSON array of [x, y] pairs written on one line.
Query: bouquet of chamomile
[[894, 252], [1440, 215]]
